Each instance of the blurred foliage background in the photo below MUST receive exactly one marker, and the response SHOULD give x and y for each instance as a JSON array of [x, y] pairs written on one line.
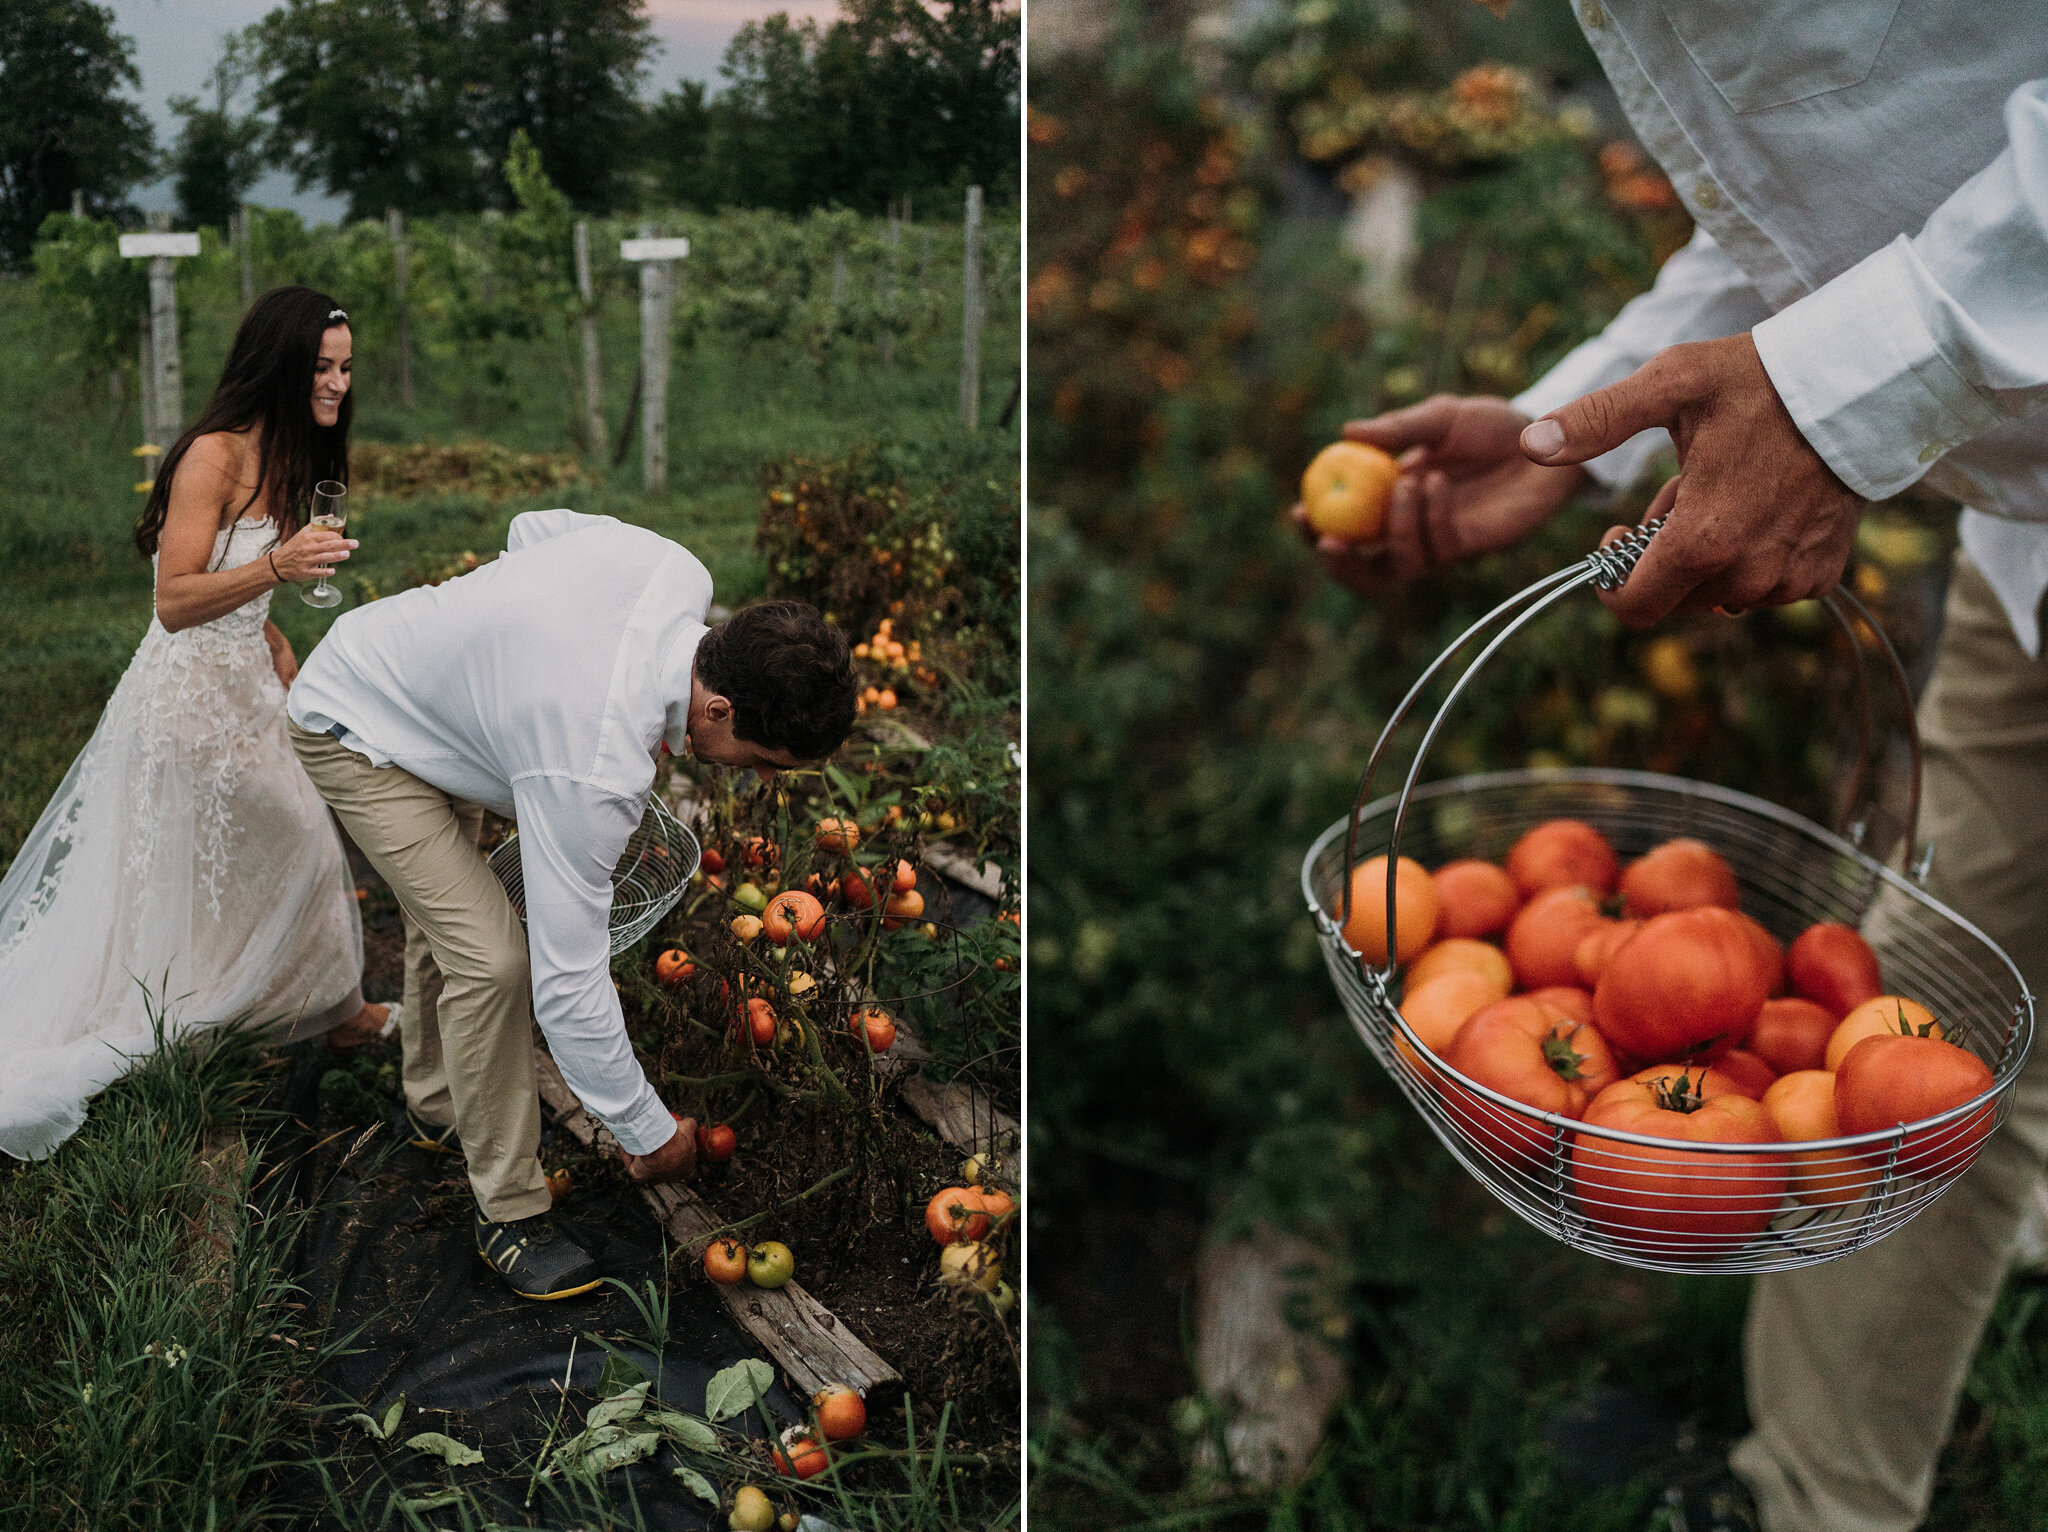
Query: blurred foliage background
[[1202, 700]]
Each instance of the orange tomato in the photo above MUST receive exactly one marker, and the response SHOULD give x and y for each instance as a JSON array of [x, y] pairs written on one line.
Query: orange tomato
[[801, 1455], [1546, 932], [1346, 490], [957, 1214], [1414, 910], [841, 1413], [1834, 966], [1888, 1079], [900, 909], [1688, 985], [795, 913], [1474, 898], [1534, 1054], [1000, 1204], [1674, 1201], [837, 835], [674, 967], [725, 1261], [1791, 1035], [1559, 853], [1574, 1002], [1438, 1008], [1462, 954], [1887, 1014], [1802, 1104], [1678, 875], [904, 878], [1598, 945], [874, 1026]]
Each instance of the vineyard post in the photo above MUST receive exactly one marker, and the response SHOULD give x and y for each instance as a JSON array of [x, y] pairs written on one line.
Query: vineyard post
[[657, 259], [394, 223], [246, 247], [166, 383], [145, 365], [593, 376], [970, 315]]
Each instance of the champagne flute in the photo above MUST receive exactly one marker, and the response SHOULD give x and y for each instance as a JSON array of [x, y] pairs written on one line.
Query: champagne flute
[[328, 511]]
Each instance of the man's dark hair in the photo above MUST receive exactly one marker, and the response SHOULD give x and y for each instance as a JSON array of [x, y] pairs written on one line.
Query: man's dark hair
[[788, 675]]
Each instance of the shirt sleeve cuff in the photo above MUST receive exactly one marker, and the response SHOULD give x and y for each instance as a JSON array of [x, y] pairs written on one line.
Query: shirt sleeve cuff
[[646, 1127], [1861, 375]]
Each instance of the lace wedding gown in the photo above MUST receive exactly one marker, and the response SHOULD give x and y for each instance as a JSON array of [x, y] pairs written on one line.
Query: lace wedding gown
[[186, 862]]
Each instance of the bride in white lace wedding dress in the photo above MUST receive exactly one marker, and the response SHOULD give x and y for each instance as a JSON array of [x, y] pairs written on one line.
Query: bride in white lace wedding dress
[[186, 864]]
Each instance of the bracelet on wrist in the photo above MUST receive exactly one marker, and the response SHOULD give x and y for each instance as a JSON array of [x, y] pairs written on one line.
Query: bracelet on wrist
[[271, 554]]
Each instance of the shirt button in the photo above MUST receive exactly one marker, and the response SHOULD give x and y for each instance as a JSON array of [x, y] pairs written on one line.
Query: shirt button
[[1932, 451], [1707, 195], [1593, 16]]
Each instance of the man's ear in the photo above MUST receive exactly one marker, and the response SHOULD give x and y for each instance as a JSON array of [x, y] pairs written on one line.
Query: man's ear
[[718, 708]]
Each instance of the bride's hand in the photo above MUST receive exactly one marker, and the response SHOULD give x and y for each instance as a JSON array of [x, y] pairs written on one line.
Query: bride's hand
[[311, 553]]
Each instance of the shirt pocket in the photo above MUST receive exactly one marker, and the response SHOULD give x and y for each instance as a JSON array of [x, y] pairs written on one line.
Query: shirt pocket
[[1766, 53]]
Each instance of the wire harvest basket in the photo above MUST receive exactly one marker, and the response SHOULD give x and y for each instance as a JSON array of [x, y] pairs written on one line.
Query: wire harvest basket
[[660, 858], [1647, 1201]]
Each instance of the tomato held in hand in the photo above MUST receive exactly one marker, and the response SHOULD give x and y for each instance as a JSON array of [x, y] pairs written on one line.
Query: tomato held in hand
[[1534, 1054], [717, 1143], [1834, 966], [1675, 1201], [1560, 853], [1888, 1080], [1689, 985]]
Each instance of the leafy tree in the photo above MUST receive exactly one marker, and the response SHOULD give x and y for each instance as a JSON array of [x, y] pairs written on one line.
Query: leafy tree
[[373, 99], [217, 157], [62, 128], [411, 103], [895, 98], [565, 72]]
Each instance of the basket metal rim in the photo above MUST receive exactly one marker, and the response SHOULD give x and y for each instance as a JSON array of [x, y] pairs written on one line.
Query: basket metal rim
[[1728, 797]]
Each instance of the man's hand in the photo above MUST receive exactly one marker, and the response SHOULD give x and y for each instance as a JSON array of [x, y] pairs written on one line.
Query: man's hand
[[675, 1160], [282, 660], [1756, 519], [1465, 489]]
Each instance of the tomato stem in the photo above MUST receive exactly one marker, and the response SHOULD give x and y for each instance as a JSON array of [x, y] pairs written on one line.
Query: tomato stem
[[1685, 1097], [1564, 1060]]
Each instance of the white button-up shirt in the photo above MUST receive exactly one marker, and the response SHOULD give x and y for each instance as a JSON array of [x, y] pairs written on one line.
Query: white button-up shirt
[[1870, 184], [541, 686]]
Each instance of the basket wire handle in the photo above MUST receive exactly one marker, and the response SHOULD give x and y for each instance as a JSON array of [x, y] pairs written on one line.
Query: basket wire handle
[[1608, 568]]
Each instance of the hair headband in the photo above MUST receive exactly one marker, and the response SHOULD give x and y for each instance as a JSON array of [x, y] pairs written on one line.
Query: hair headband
[[337, 313]]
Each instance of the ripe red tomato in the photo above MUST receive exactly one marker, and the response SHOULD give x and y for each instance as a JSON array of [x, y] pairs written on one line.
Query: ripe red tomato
[[1678, 875], [1770, 957], [1688, 986], [875, 1026], [857, 888], [760, 1022], [717, 1143], [1574, 1002], [1560, 853], [1678, 1202], [725, 1261], [1834, 966], [958, 1213], [795, 913], [1792, 1034], [1598, 945], [1888, 1080], [1545, 934], [1534, 1054], [713, 860], [1752, 1076]]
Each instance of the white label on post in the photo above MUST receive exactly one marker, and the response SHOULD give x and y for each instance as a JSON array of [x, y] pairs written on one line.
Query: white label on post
[[653, 249], [159, 244]]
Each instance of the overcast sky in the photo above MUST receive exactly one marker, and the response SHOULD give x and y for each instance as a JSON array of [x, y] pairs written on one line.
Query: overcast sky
[[177, 41]]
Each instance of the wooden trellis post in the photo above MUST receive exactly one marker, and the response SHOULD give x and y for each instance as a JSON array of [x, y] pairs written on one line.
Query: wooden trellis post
[[593, 375], [657, 259], [160, 340], [394, 222], [970, 315]]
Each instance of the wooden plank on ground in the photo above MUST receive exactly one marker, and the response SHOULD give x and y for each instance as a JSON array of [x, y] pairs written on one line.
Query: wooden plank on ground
[[961, 1114], [804, 1337]]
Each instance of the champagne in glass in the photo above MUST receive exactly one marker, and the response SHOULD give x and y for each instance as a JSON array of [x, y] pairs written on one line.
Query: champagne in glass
[[329, 510]]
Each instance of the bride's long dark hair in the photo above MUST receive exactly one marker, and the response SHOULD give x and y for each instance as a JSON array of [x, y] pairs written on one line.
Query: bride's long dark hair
[[268, 382]]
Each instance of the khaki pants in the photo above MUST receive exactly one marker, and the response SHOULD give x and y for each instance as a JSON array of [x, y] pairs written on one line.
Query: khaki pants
[[1854, 1368], [467, 1028]]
